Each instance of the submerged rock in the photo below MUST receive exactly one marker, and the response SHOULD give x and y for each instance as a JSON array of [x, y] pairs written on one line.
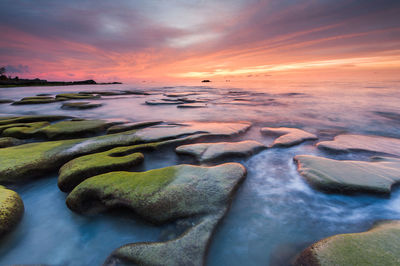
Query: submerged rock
[[31, 118], [179, 94], [8, 142], [37, 100], [377, 176], [81, 105], [77, 96], [74, 172], [23, 131], [73, 128], [3, 101], [350, 143], [130, 126], [11, 210], [158, 102], [378, 246], [33, 159], [192, 105], [210, 151], [163, 195], [288, 136]]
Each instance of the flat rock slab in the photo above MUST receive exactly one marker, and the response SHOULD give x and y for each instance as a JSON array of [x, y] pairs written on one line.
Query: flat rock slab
[[161, 102], [350, 143], [33, 159], [11, 210], [80, 105], [288, 136], [210, 151], [376, 176], [31, 118], [74, 172], [131, 126], [378, 246], [163, 195], [192, 105], [9, 142]]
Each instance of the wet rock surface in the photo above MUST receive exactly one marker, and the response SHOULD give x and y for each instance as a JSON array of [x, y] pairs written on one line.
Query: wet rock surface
[[80, 105], [353, 143], [11, 210], [377, 176], [288, 136], [211, 151], [378, 246]]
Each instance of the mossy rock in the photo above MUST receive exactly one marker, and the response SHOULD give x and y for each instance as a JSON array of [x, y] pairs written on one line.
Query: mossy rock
[[81, 105], [74, 172], [378, 246], [160, 195], [131, 126], [37, 100], [24, 131], [34, 159], [11, 210], [77, 96], [31, 118], [68, 129], [9, 142]]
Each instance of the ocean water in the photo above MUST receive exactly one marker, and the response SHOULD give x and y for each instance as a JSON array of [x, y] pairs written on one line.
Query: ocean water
[[274, 215]]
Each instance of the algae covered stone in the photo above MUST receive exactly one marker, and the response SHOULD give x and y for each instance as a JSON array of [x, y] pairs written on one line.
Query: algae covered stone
[[378, 246], [350, 143], [81, 168], [31, 118], [76, 96], [23, 131], [8, 142], [377, 176], [288, 136], [162, 194], [210, 151], [80, 105], [11, 210], [131, 126]]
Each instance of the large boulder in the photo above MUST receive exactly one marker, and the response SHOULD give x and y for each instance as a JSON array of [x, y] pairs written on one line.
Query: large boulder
[[378, 246], [377, 176], [288, 136], [11, 210], [350, 143], [163, 195], [74, 172], [210, 151]]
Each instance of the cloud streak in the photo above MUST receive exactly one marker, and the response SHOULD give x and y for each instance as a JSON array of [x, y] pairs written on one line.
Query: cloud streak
[[156, 38]]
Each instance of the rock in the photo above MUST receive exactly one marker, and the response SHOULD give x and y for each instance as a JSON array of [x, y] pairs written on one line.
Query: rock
[[11, 210], [71, 129], [206, 80], [377, 176], [80, 105], [23, 131], [31, 118], [34, 159], [188, 249], [77, 96], [2, 101], [288, 136], [37, 100], [74, 172], [157, 102], [44, 94], [130, 126], [350, 143], [210, 151], [135, 92], [192, 105], [163, 195], [378, 246], [180, 94], [8, 142]]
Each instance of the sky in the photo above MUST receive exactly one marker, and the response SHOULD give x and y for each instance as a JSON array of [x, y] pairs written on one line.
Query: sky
[[124, 40]]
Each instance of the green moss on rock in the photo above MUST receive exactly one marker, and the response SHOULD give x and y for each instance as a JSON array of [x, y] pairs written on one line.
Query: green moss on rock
[[8, 142], [31, 118], [27, 130], [80, 105], [77, 96], [74, 172], [36, 100], [68, 129], [11, 210], [378, 246]]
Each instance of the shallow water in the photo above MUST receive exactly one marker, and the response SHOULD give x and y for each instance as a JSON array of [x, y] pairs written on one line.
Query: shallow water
[[274, 215]]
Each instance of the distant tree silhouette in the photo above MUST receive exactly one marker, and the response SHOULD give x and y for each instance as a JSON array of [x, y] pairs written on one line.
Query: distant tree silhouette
[[2, 70]]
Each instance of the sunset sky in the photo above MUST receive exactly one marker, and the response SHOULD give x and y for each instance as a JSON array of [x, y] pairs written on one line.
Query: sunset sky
[[187, 39]]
